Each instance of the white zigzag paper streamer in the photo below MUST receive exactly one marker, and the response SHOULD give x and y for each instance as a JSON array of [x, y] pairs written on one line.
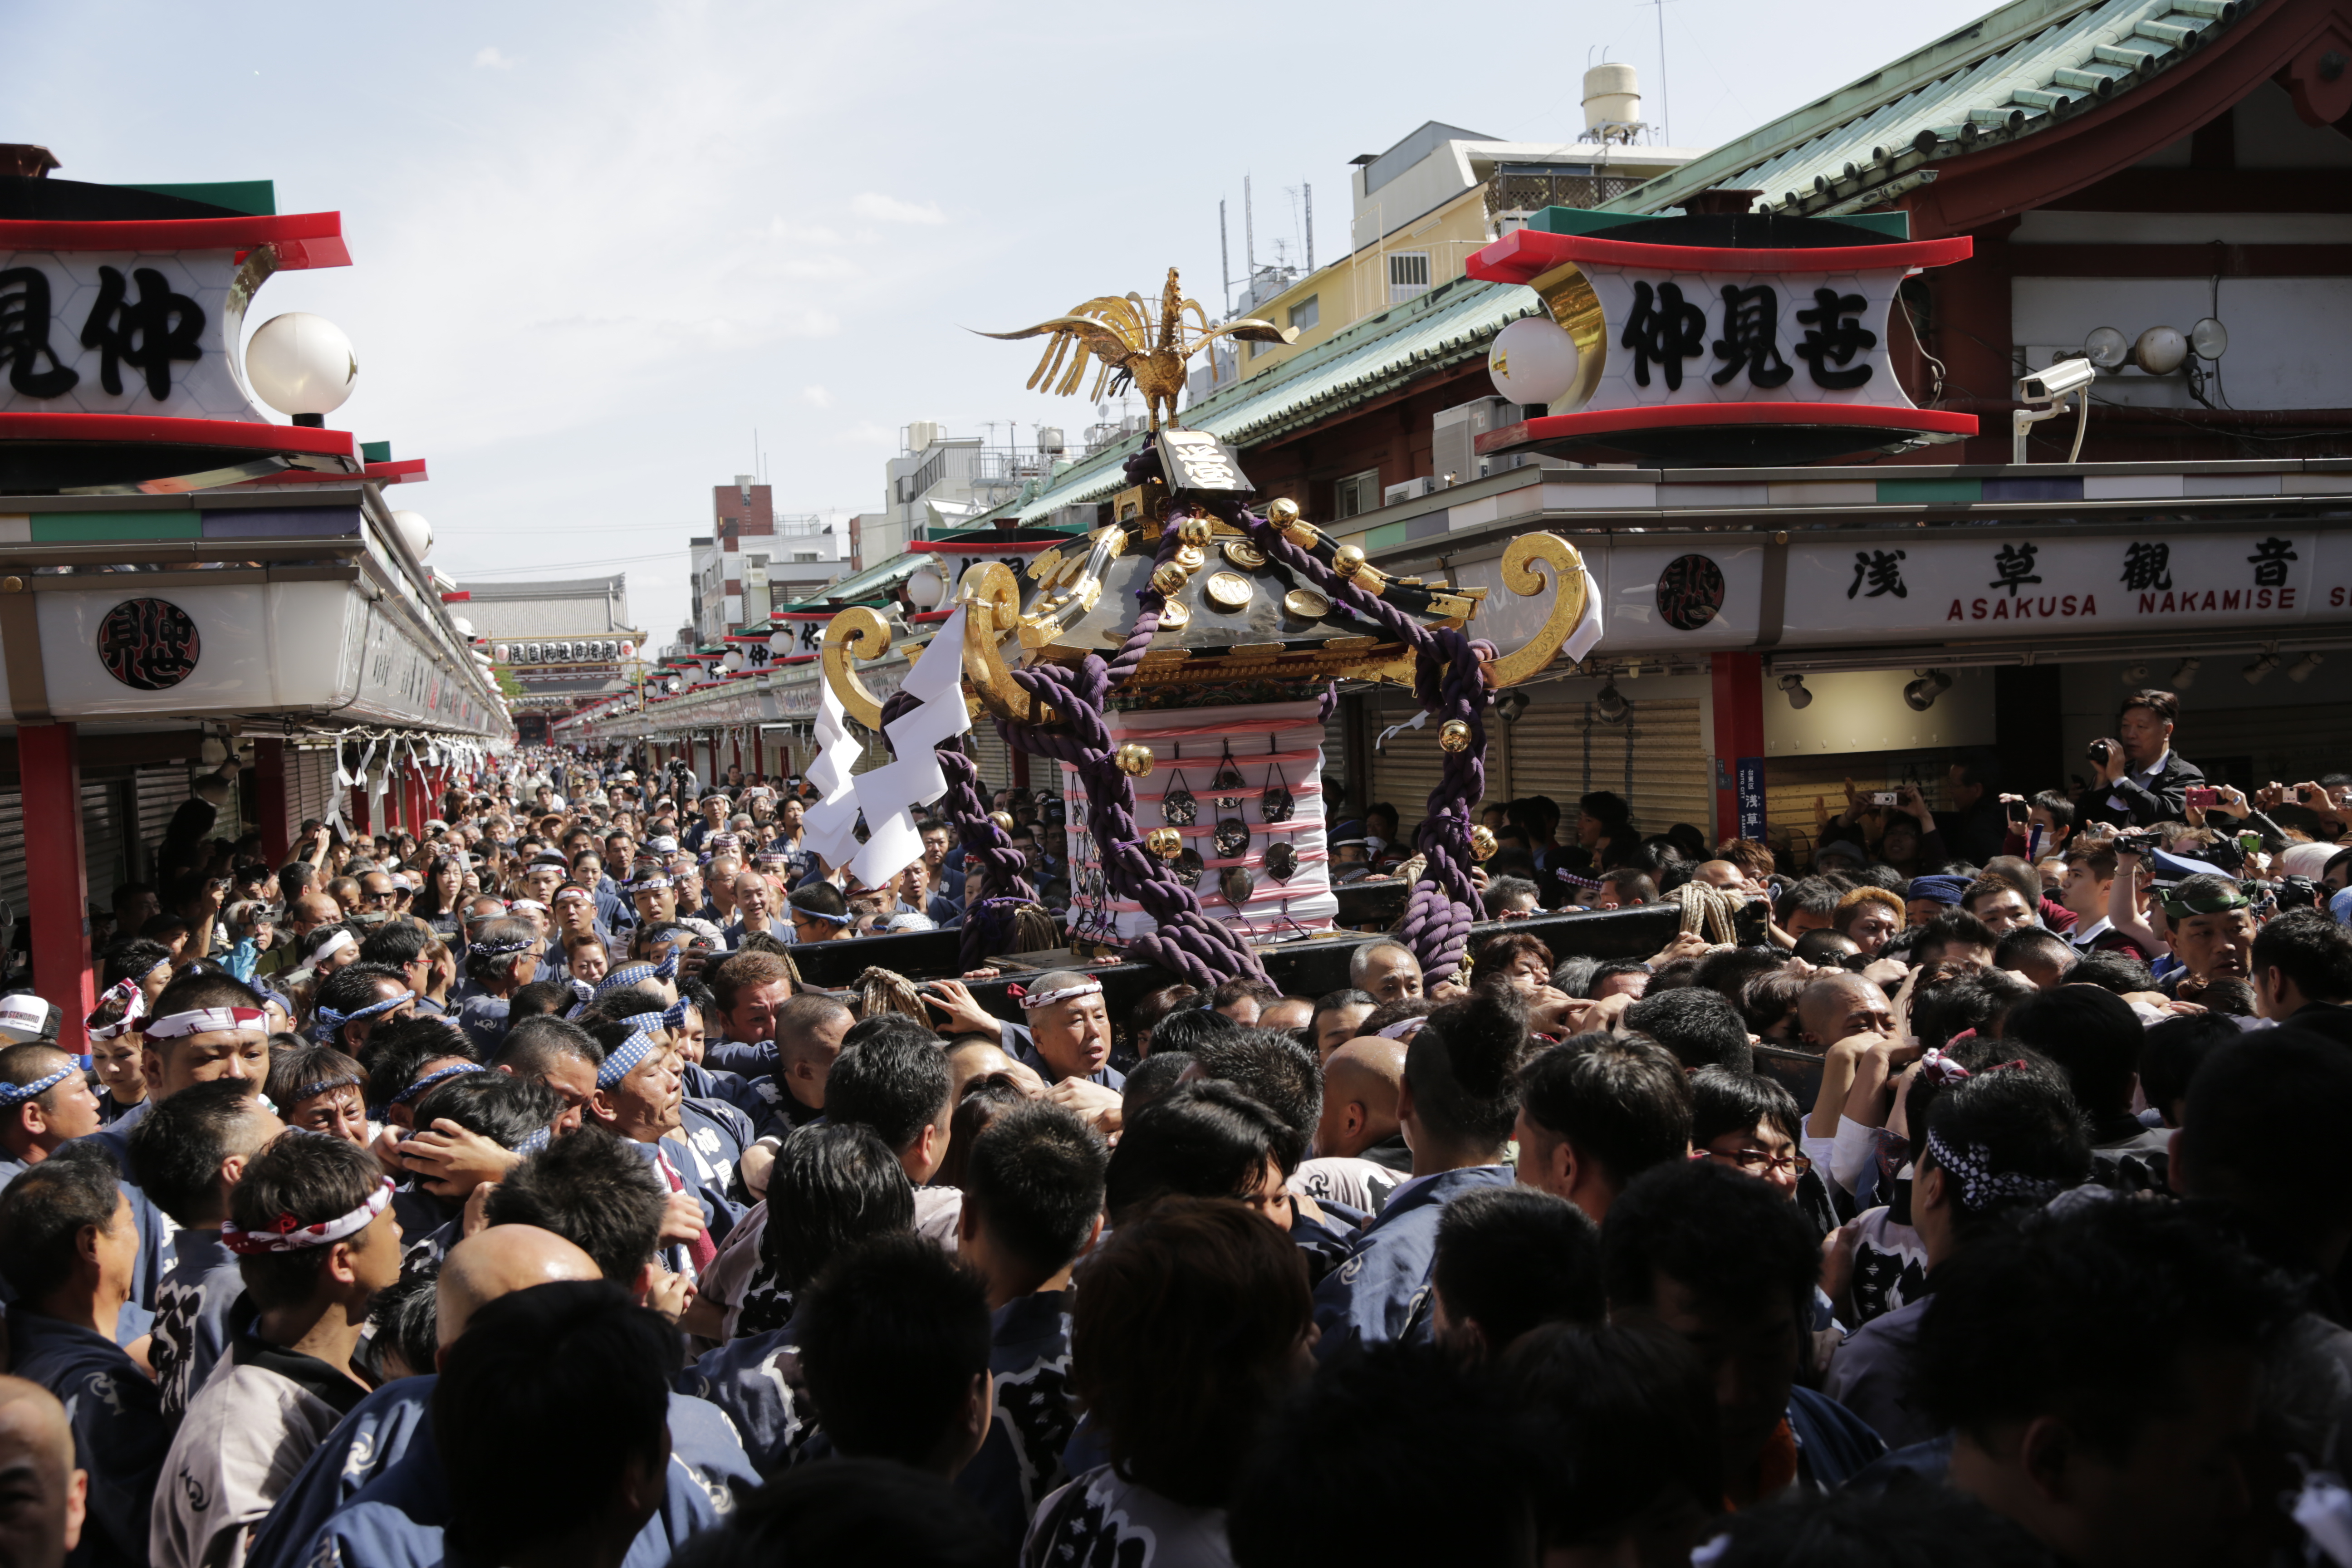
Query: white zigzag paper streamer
[[890, 794], [831, 823]]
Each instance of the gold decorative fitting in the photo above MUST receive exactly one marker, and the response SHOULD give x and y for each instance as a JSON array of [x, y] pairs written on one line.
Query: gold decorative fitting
[[1244, 554], [1132, 339], [1455, 736], [1169, 577], [1136, 760], [1307, 604], [1191, 557], [1002, 819], [1043, 568], [1351, 644], [1254, 650], [1567, 584], [1174, 616], [1483, 842], [1164, 842], [1305, 535], [857, 633], [1228, 591], [1348, 560], [1193, 531], [1282, 511], [1371, 579]]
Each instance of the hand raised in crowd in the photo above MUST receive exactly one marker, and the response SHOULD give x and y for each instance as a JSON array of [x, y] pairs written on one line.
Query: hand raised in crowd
[[1098, 1105], [449, 1152], [964, 1015], [2111, 770], [1685, 944]]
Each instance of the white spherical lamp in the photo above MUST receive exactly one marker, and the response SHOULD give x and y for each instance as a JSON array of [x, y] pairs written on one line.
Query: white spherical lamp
[[779, 643], [415, 531], [2160, 350], [734, 659], [926, 588], [301, 364], [1533, 360]]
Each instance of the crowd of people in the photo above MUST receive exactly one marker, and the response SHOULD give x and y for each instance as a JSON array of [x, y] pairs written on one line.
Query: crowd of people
[[505, 1195]]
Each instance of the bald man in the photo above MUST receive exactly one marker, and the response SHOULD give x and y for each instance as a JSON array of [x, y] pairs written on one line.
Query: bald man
[[47, 1495], [494, 1263], [1361, 1153], [1722, 874], [374, 1491]]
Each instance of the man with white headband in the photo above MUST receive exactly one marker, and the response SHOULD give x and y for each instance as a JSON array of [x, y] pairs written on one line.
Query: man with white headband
[[312, 1226], [204, 1025], [1069, 1029], [45, 1103], [68, 1245]]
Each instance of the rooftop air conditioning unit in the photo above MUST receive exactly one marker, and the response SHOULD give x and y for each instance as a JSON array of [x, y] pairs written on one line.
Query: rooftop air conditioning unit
[[1411, 489], [1455, 447]]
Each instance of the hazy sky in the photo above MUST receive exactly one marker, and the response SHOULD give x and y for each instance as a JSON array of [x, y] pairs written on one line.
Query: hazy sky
[[596, 245]]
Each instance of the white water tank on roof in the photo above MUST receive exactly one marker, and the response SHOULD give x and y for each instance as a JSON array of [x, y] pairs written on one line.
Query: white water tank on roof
[[1611, 96]]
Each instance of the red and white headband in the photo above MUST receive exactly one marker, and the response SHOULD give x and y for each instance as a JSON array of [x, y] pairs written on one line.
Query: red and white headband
[[134, 1008], [207, 1020], [290, 1234], [1031, 1001]]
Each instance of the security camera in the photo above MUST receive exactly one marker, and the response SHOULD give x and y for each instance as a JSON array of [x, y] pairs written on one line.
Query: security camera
[[2067, 375]]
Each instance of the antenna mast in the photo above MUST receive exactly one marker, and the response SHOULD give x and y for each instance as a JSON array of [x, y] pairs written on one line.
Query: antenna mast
[[1249, 236], [1224, 257], [1309, 191]]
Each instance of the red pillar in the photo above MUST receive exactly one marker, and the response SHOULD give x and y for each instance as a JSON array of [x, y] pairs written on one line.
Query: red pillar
[[48, 762], [269, 786], [1738, 744]]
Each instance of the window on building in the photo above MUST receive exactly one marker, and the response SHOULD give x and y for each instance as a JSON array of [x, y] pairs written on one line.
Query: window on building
[[1407, 275], [1306, 312], [1359, 493], [803, 556]]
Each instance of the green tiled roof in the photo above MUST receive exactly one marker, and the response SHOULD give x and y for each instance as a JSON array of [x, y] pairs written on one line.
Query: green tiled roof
[[1450, 323], [2009, 74]]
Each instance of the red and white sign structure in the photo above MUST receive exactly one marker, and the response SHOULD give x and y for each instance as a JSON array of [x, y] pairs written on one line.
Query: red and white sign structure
[[126, 333], [1652, 347]]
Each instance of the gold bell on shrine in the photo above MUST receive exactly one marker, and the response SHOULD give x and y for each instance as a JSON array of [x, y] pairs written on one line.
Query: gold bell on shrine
[[1135, 761], [1164, 842], [1483, 842], [1455, 736]]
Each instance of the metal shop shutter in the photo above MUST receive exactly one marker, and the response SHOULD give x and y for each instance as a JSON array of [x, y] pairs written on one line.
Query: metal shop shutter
[[989, 750], [1655, 758], [309, 780], [161, 788], [12, 866], [103, 840], [1412, 768]]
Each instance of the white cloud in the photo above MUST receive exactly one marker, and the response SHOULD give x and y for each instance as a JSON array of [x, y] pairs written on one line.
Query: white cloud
[[817, 396], [890, 209], [489, 58]]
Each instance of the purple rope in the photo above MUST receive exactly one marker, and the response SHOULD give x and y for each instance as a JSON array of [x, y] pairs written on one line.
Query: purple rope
[[1448, 681], [1002, 869]]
